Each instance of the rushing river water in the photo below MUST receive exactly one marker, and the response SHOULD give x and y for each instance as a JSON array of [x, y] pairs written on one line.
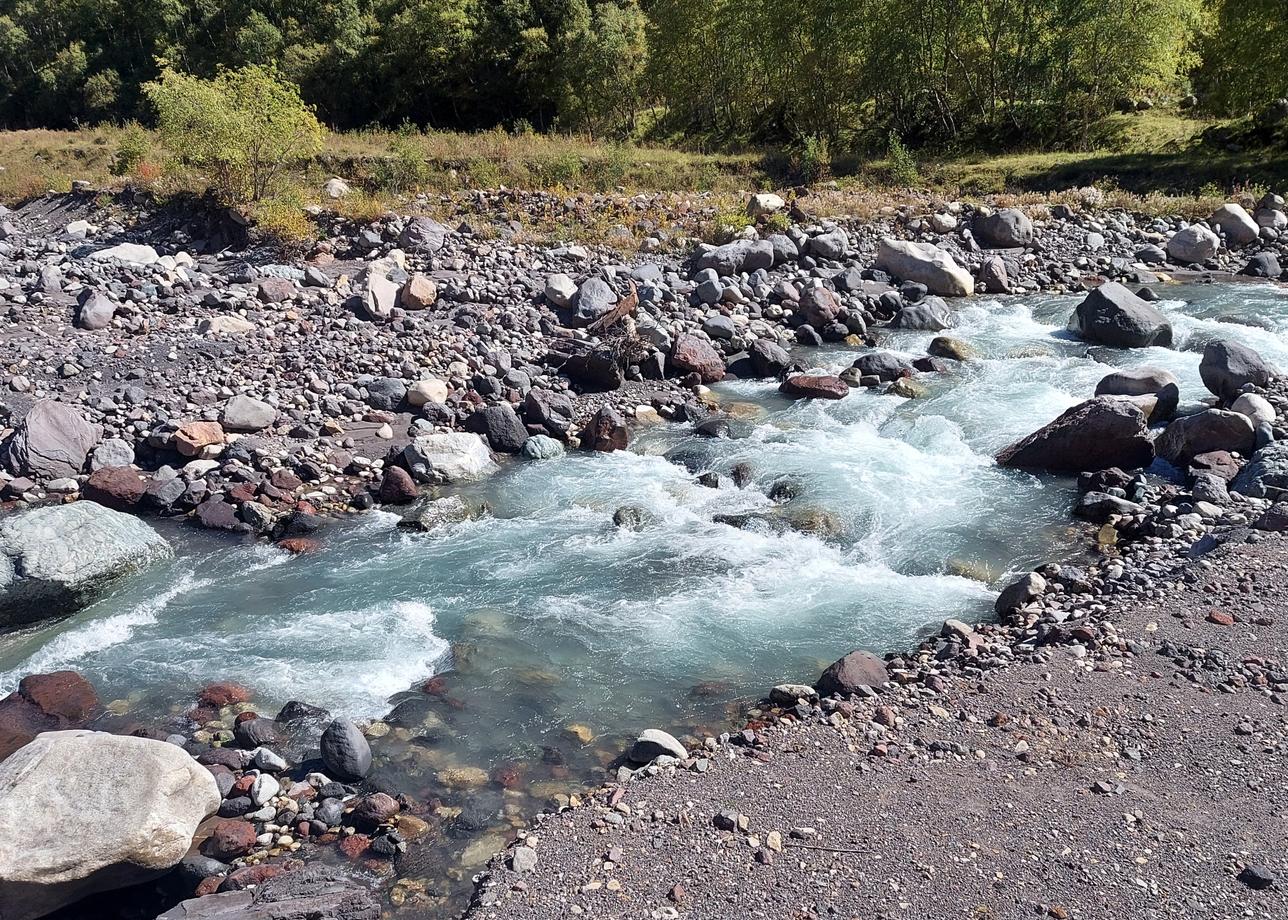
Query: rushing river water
[[545, 615]]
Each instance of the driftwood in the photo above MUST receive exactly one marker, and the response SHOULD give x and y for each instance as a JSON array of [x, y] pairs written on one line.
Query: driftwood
[[625, 307]]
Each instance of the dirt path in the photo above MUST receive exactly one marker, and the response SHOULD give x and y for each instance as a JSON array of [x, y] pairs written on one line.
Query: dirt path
[[1137, 773]]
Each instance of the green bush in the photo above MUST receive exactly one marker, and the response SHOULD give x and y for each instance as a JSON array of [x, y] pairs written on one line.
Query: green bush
[[901, 165], [812, 160], [131, 150], [246, 127]]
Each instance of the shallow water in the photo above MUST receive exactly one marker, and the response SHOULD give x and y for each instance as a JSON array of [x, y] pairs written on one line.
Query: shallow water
[[546, 614]]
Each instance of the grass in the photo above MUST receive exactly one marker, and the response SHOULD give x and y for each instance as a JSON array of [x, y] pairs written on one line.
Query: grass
[[1154, 162]]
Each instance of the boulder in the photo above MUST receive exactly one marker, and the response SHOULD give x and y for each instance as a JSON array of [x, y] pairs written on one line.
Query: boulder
[[594, 298], [765, 203], [831, 245], [1236, 223], [1192, 245], [424, 392], [542, 447], [1263, 265], [397, 487], [926, 264], [501, 426], [1227, 367], [53, 557], [335, 188], [423, 234], [551, 410], [94, 311], [51, 441], [819, 306], [883, 365], [1020, 593], [738, 256], [814, 386], [594, 367], [346, 754], [653, 743], [943, 346], [606, 431], [117, 487], [311, 893], [43, 703], [768, 359], [1266, 476], [194, 437], [693, 355], [437, 513], [1008, 228], [1144, 381], [1212, 429], [930, 314], [85, 812], [1113, 315], [245, 413], [1257, 408], [1103, 432], [133, 253], [449, 457], [560, 290], [419, 293], [846, 675]]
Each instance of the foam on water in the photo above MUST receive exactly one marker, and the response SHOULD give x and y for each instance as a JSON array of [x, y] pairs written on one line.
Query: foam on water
[[553, 614]]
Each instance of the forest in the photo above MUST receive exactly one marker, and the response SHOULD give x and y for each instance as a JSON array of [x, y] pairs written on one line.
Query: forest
[[937, 74]]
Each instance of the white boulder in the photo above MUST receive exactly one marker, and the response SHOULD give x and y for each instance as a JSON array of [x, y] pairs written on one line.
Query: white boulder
[[134, 253], [449, 457], [926, 264], [1194, 244], [1236, 223]]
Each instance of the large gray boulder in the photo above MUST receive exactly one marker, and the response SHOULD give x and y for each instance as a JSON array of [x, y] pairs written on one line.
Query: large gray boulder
[[1194, 244], [1113, 315], [245, 413], [345, 751], [1266, 476], [1213, 429], [738, 256], [94, 311], [83, 812], [1236, 223], [423, 234], [449, 457], [1229, 366], [930, 314], [593, 299], [54, 557], [1095, 435], [1009, 228], [926, 264], [311, 893], [1144, 381], [52, 441]]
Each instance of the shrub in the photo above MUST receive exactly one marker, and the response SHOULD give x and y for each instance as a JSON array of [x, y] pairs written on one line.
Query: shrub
[[812, 159], [131, 150], [246, 127], [902, 167]]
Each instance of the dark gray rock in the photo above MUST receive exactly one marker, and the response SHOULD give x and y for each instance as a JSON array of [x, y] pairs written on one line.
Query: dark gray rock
[[1229, 366], [1008, 228], [52, 440], [1113, 315], [345, 752], [1095, 435]]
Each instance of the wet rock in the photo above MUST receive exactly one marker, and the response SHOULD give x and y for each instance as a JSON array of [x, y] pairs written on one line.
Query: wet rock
[[1020, 593], [848, 674], [52, 440], [51, 558], [1112, 315], [1097, 434], [814, 386], [345, 752], [1098, 507], [929, 314], [449, 457], [883, 365], [605, 432], [436, 513], [136, 806], [1144, 381], [541, 447], [943, 346], [397, 487], [1266, 475], [374, 810]]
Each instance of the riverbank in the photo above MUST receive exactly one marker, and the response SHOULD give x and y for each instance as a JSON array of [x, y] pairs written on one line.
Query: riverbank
[[1127, 762], [254, 398]]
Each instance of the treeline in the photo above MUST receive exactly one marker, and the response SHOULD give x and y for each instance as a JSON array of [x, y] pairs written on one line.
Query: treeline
[[839, 72]]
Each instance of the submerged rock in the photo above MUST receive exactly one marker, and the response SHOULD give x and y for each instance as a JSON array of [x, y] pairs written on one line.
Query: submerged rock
[[84, 812], [311, 893], [52, 558]]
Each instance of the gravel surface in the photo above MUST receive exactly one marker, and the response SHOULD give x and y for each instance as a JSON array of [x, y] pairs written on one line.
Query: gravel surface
[[1142, 777]]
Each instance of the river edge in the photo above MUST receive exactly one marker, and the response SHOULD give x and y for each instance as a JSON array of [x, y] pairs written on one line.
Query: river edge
[[968, 642]]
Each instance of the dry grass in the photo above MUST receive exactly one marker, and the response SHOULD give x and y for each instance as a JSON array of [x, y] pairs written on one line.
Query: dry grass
[[1148, 164]]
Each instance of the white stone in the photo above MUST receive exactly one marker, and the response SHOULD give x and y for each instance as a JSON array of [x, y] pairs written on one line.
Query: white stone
[[765, 203], [228, 324], [1195, 243], [423, 392], [927, 264], [83, 812], [943, 223], [560, 290], [1236, 223], [134, 253], [450, 457], [1257, 408], [335, 188]]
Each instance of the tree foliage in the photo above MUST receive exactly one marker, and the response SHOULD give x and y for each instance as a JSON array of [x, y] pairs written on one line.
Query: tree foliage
[[843, 72], [245, 127]]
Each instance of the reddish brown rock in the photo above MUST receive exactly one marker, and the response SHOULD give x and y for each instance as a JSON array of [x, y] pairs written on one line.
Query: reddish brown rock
[[355, 845], [194, 437], [223, 693], [848, 674], [814, 386], [298, 546], [247, 876], [230, 839], [397, 487], [693, 355], [285, 480], [64, 694], [216, 514], [208, 886], [1220, 618], [373, 810], [605, 432], [117, 487]]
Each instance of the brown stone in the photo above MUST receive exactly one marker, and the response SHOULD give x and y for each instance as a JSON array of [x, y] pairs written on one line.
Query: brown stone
[[848, 674], [373, 810], [224, 693], [230, 839], [1220, 618], [397, 487], [693, 355], [419, 293], [298, 546], [814, 386], [118, 487], [355, 845], [1095, 435], [605, 432], [193, 437], [64, 694]]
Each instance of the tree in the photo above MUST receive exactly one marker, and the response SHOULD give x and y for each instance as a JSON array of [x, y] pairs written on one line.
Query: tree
[[605, 65], [246, 127]]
